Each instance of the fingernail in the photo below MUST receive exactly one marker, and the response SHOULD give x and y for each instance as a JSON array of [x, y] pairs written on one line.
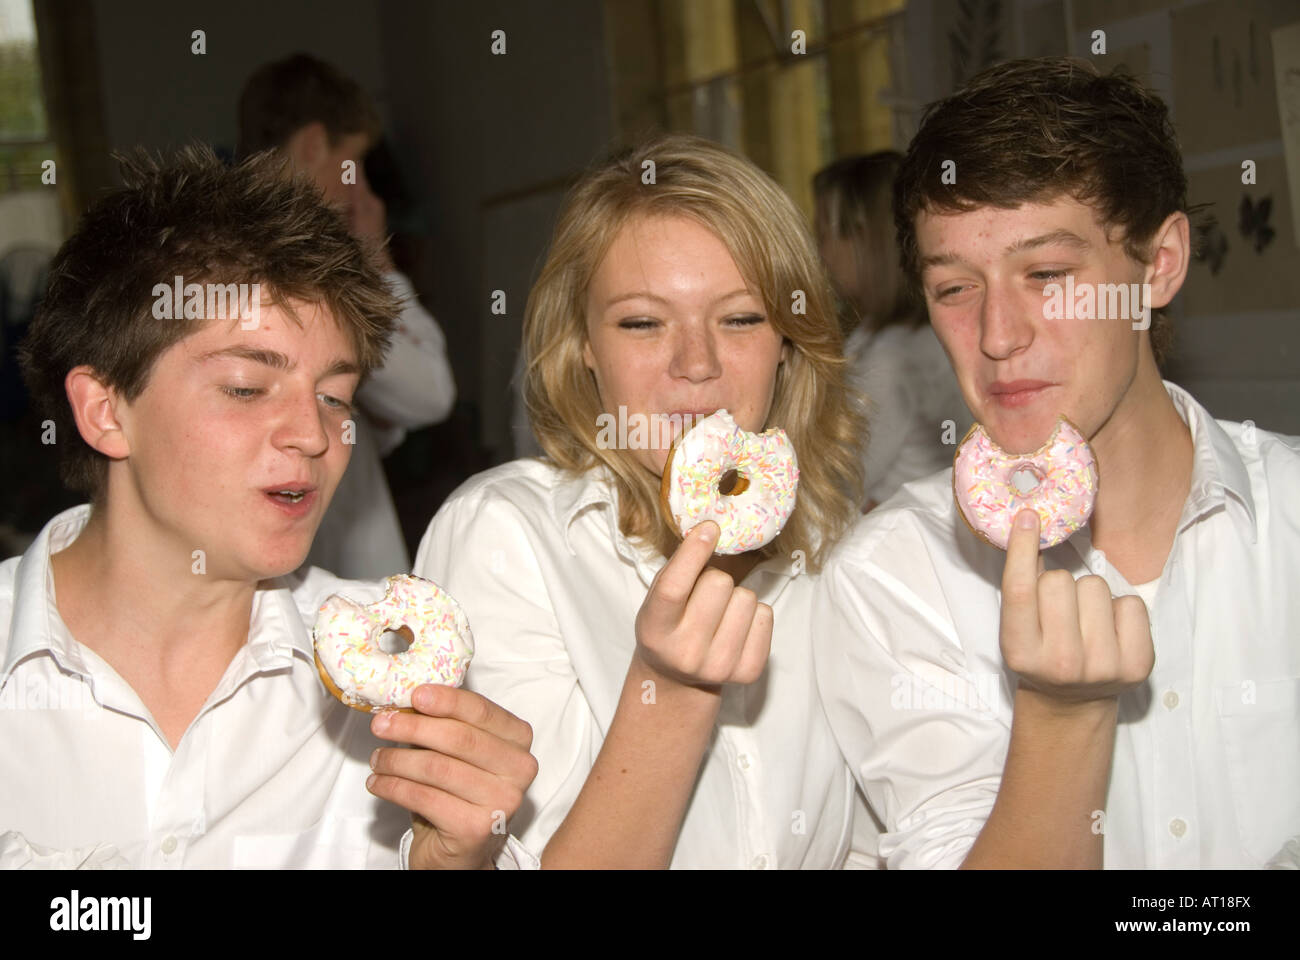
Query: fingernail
[[1025, 519], [422, 699], [381, 722], [374, 759], [370, 781], [708, 531]]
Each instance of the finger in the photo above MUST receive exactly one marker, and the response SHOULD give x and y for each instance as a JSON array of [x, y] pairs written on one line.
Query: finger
[[469, 742], [758, 646], [1137, 654], [462, 741], [728, 639], [1020, 631], [1061, 651], [457, 703], [1097, 630], [462, 824], [708, 605], [666, 602], [450, 774]]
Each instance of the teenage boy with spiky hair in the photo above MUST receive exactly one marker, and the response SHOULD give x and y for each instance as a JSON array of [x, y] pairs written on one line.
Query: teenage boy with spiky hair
[[159, 703], [1003, 709]]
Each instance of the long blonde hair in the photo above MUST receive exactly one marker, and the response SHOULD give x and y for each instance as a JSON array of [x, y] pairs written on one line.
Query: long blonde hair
[[680, 175]]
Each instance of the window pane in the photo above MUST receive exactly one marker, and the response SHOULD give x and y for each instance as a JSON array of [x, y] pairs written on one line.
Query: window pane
[[22, 113]]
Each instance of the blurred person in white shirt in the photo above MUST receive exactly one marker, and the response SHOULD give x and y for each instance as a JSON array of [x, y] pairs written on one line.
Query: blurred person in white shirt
[[916, 409], [325, 124], [1129, 697], [671, 691]]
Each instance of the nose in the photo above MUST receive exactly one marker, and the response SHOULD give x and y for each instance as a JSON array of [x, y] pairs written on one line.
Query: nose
[[1004, 329], [695, 354], [301, 427]]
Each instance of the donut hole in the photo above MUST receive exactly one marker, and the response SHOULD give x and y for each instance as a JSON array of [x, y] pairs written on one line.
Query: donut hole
[[732, 484], [1025, 478], [396, 641]]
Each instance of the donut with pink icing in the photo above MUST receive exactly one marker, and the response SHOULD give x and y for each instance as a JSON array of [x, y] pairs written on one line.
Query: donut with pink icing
[[758, 471], [991, 486], [359, 672]]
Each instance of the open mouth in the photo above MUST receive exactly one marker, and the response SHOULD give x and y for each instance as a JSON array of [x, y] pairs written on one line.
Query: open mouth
[[289, 496]]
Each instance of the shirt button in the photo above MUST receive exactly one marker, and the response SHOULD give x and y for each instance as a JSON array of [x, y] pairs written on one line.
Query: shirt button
[[169, 846], [759, 862], [1171, 700], [1177, 827], [742, 761]]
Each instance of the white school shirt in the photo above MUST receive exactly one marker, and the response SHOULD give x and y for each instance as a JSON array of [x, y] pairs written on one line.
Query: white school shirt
[[1206, 768], [552, 588], [271, 773]]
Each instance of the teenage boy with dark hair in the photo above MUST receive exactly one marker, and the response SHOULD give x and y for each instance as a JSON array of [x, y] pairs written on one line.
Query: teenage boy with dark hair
[[159, 703], [324, 124], [999, 715]]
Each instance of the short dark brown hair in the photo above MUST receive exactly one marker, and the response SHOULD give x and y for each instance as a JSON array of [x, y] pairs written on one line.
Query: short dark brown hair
[[1030, 131], [283, 97], [194, 217]]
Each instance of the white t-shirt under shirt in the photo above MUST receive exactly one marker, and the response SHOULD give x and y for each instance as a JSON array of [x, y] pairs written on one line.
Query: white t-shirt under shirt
[[552, 589], [1206, 768], [912, 392]]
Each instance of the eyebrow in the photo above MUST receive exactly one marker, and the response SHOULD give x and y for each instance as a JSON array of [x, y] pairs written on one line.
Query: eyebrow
[[1066, 237], [655, 298], [274, 359]]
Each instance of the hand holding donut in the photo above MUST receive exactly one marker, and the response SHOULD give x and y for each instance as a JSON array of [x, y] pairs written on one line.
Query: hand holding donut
[[696, 626], [1069, 640], [463, 781]]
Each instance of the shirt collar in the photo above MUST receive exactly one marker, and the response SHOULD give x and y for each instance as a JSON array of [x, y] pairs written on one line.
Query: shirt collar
[[36, 626], [1218, 469], [595, 488]]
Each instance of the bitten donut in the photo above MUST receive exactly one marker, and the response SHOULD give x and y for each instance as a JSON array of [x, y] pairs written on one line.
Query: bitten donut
[[756, 506], [1059, 480], [365, 677]]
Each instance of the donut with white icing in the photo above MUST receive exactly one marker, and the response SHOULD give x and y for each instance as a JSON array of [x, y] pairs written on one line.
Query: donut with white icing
[[1058, 480], [359, 672], [757, 504]]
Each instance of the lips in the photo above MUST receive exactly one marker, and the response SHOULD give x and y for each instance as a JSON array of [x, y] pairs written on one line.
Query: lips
[[1016, 393], [295, 497]]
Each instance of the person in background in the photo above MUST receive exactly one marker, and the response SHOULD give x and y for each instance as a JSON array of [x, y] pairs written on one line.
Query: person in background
[[892, 350], [324, 123]]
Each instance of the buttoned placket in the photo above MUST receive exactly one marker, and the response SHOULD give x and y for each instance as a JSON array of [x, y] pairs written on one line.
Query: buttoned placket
[[732, 728]]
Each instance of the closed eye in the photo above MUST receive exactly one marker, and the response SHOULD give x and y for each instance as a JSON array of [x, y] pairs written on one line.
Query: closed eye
[[746, 320], [637, 323], [334, 402], [242, 393]]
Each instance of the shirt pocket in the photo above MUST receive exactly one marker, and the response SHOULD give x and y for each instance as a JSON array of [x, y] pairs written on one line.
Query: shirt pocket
[[333, 843], [1260, 721]]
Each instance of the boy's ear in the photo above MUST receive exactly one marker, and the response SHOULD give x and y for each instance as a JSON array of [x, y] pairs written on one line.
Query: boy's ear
[[307, 147], [1171, 251], [94, 409]]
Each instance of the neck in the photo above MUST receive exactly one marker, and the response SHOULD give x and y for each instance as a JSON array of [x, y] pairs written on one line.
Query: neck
[[129, 592], [1144, 457]]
